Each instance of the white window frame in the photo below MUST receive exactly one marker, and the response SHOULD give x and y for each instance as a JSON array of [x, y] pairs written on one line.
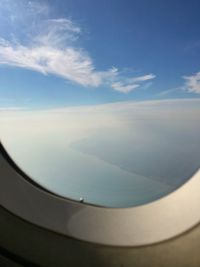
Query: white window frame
[[147, 224]]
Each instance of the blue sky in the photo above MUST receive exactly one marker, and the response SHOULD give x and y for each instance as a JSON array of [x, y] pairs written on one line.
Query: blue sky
[[63, 53]]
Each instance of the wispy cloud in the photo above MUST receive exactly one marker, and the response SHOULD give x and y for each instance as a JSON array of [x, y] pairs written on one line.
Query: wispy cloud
[[192, 83], [71, 64], [59, 33], [171, 91], [130, 84], [50, 46], [142, 78], [38, 7], [124, 88]]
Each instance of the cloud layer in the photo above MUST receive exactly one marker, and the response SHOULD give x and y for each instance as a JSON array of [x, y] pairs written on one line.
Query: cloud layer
[[118, 154], [50, 46]]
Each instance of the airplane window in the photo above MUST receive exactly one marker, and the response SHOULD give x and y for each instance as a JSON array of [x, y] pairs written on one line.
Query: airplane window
[[100, 101]]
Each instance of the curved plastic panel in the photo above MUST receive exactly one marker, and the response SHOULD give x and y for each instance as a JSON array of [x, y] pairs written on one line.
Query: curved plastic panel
[[142, 225]]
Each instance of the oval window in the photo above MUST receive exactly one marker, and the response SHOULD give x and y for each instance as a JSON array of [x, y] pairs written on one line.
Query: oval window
[[100, 102]]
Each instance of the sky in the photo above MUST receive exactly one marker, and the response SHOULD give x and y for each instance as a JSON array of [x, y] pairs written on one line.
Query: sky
[[66, 53]]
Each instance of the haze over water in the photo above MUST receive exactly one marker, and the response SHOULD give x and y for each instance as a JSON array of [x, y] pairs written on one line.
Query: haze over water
[[115, 155]]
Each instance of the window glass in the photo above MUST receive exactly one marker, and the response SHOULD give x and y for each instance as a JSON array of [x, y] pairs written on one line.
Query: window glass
[[100, 100]]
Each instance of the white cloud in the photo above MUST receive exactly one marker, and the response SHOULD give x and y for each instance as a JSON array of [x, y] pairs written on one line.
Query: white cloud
[[130, 84], [142, 78], [71, 64], [120, 87], [50, 47], [192, 84], [51, 51]]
